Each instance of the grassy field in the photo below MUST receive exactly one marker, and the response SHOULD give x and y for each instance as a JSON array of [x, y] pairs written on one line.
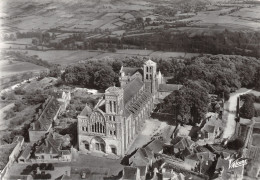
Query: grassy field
[[244, 18], [65, 57], [16, 67]]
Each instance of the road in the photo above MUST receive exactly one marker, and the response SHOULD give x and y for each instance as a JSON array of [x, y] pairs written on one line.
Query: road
[[16, 85], [229, 113]]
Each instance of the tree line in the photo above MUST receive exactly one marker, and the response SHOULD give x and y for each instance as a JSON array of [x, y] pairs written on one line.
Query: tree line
[[208, 74]]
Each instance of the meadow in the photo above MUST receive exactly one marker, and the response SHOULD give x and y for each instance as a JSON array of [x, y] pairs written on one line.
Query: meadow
[[8, 68], [241, 19], [66, 57]]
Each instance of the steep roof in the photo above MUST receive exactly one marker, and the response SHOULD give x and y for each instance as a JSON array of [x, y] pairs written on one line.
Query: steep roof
[[169, 87], [129, 71], [86, 111], [113, 89], [49, 112], [51, 145], [155, 146], [149, 63], [141, 157], [209, 128], [181, 142], [131, 89], [26, 152], [135, 106]]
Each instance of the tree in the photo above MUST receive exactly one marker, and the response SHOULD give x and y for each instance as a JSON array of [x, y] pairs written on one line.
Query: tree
[[247, 110], [148, 20], [43, 74], [256, 79], [189, 104], [139, 20], [235, 144], [55, 71], [104, 77], [116, 65]]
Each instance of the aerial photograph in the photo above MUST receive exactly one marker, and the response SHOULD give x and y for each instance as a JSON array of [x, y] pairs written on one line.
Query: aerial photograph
[[130, 89]]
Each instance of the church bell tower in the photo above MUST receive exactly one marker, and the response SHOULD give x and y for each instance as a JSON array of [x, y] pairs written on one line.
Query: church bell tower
[[150, 76]]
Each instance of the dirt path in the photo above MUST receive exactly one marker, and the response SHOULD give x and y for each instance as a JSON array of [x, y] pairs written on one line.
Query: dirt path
[[3, 122], [230, 110]]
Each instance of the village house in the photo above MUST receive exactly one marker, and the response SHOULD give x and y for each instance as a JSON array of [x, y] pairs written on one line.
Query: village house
[[48, 114], [44, 119], [210, 130], [52, 148]]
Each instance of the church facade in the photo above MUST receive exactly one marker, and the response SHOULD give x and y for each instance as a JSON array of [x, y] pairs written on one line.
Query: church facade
[[117, 118]]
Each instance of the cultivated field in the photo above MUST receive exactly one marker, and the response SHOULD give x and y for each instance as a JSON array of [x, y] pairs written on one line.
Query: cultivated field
[[242, 19], [65, 57], [8, 69]]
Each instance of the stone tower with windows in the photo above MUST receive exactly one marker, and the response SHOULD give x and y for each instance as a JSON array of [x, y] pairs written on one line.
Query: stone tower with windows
[[150, 76], [114, 107]]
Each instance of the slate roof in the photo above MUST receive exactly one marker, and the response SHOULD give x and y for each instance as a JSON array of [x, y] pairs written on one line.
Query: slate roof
[[51, 145], [136, 106], [155, 146], [130, 71], [209, 128], [169, 87], [46, 118], [131, 89], [206, 156], [26, 152], [141, 157], [192, 157], [86, 111], [182, 143], [129, 173]]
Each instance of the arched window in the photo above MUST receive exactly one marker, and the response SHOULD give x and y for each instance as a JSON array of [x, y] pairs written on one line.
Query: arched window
[[147, 69], [113, 149], [110, 104], [150, 69], [150, 76], [98, 123], [115, 106], [146, 76]]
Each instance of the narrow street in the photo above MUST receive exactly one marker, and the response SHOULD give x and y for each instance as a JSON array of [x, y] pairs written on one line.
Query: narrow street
[[229, 112]]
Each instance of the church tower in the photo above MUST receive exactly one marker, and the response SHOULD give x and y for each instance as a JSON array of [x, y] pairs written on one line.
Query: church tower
[[114, 103], [150, 76], [114, 108]]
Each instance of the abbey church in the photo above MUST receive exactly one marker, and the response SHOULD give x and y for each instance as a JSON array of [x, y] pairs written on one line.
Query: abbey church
[[117, 118]]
